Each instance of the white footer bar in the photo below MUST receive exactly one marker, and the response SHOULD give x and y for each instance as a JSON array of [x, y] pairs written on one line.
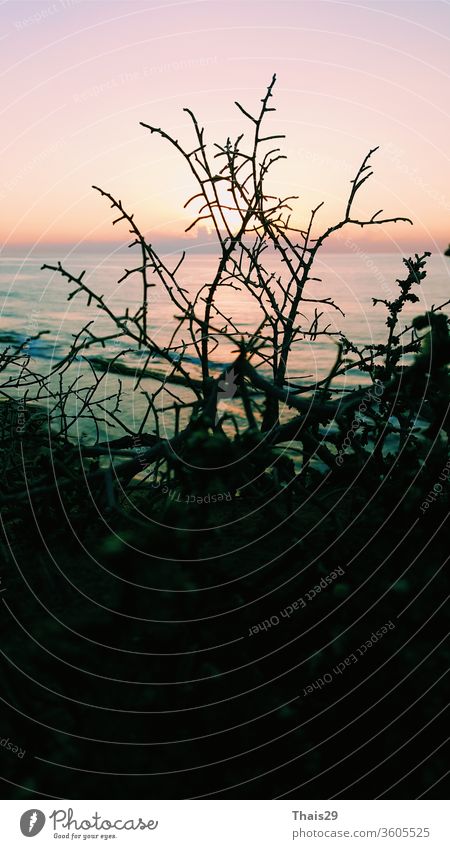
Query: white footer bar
[[221, 824]]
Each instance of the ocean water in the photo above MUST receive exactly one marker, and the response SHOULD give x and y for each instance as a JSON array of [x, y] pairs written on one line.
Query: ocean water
[[34, 300]]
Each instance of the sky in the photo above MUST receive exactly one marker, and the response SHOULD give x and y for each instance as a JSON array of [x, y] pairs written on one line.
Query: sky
[[77, 77]]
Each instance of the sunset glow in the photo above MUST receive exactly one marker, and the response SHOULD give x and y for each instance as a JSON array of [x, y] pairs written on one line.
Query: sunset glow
[[78, 77]]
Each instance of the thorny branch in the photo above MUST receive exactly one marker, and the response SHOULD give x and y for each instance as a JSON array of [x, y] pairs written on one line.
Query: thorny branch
[[261, 253]]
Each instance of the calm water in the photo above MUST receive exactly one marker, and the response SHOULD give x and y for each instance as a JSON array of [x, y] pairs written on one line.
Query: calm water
[[31, 300]]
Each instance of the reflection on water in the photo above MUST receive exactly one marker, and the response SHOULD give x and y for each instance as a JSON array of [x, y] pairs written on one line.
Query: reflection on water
[[31, 300]]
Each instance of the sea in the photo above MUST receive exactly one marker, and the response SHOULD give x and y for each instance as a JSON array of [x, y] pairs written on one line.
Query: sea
[[35, 300]]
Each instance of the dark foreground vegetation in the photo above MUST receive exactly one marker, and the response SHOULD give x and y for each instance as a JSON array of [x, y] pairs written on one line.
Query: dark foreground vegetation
[[219, 602]]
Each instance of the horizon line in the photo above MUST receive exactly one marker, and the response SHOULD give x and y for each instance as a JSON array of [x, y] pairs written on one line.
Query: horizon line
[[170, 245]]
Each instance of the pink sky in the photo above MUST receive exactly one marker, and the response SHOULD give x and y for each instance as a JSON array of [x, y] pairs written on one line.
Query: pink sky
[[77, 76]]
